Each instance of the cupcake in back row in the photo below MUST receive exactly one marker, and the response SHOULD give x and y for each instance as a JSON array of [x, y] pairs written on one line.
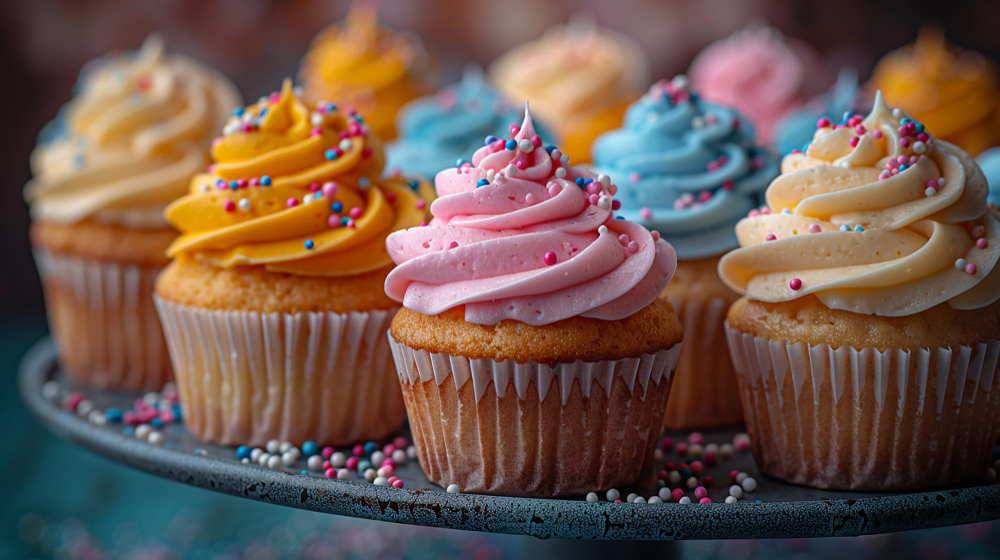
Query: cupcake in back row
[[867, 345], [579, 78], [273, 308], [955, 93], [441, 130], [357, 64], [690, 170], [534, 355], [138, 129], [760, 73]]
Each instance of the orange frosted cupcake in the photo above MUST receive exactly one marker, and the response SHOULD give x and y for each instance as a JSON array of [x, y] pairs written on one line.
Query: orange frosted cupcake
[[956, 94], [127, 145], [580, 80], [534, 355], [364, 67], [866, 347], [272, 308]]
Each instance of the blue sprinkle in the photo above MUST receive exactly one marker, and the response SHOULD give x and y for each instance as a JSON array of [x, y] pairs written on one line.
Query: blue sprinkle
[[337, 206], [113, 414], [359, 118], [263, 112], [847, 115], [128, 431], [200, 451], [242, 452], [234, 185], [363, 466], [303, 471], [265, 180], [919, 127], [905, 120], [459, 162], [859, 228], [482, 183], [903, 167], [238, 111], [310, 448], [344, 220], [330, 154], [156, 422], [331, 107], [176, 409], [371, 447], [845, 227], [511, 144], [587, 181], [550, 148], [489, 140], [619, 217], [414, 185], [579, 181], [757, 501], [786, 211], [309, 244]]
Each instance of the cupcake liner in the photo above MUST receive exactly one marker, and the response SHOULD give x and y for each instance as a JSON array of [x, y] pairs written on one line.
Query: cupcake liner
[[103, 320], [246, 377], [865, 419], [704, 392], [533, 429]]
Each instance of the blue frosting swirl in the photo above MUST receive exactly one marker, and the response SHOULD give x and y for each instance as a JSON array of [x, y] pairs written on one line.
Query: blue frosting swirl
[[438, 130], [686, 168], [796, 129], [989, 162]]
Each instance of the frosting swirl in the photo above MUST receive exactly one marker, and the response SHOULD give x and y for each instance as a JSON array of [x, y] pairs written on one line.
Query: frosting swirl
[[367, 68], [685, 167], [295, 189], [440, 129], [796, 129], [758, 72], [138, 129], [954, 93], [520, 235], [878, 218]]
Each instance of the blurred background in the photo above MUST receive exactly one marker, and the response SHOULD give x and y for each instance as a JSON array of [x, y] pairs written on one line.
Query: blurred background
[[57, 501]]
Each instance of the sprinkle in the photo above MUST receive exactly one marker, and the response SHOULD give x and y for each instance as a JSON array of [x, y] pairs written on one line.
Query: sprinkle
[[337, 206], [421, 204], [770, 237], [854, 141], [529, 199], [550, 258], [904, 141], [238, 111], [845, 227], [645, 213], [414, 185], [728, 184], [970, 268], [633, 247], [309, 244], [929, 191], [333, 221], [229, 206], [453, 489], [330, 154], [482, 183], [345, 144], [511, 145], [561, 172], [981, 243], [292, 202], [795, 284], [489, 140], [859, 228], [244, 204], [526, 145], [815, 228]]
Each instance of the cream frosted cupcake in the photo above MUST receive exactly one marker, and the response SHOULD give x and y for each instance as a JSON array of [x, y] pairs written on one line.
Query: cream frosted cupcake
[[126, 146], [867, 345], [534, 355], [273, 307]]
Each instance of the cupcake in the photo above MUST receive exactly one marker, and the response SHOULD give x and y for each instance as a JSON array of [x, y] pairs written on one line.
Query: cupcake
[[796, 129], [272, 308], [579, 78], [954, 93], [439, 130], [866, 346], [364, 67], [138, 129], [689, 169], [760, 73], [989, 162], [534, 356]]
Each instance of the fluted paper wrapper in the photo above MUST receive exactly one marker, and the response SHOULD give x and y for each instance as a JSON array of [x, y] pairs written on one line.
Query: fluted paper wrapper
[[533, 429], [865, 419], [703, 393], [103, 320], [245, 377]]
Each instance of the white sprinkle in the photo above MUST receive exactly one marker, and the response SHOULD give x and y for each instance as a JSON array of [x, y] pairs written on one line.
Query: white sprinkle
[[930, 191], [736, 491], [97, 418], [142, 431], [612, 495], [665, 494], [692, 483], [274, 462], [378, 458], [526, 145], [655, 500], [316, 119], [919, 147], [307, 198], [602, 230], [556, 154], [343, 474], [273, 446], [399, 456], [674, 477], [749, 484], [604, 202], [560, 172], [741, 477], [695, 450], [631, 497], [381, 481], [84, 407], [680, 81], [604, 180], [345, 144], [940, 182], [564, 159], [370, 475], [726, 450], [731, 500], [156, 438], [338, 460], [263, 459], [288, 458], [684, 500], [243, 204], [960, 264], [255, 454], [314, 463], [411, 452], [592, 497], [657, 453], [285, 447], [245, 460], [639, 500], [453, 489], [50, 390], [697, 122], [510, 170], [898, 113]]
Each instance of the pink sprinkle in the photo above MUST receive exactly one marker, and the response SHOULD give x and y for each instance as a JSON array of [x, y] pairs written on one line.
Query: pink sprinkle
[[330, 473], [904, 141], [314, 186], [770, 237], [422, 223], [710, 459], [677, 494], [616, 204], [366, 152], [753, 213], [700, 492], [400, 442], [823, 122], [254, 181], [536, 140], [913, 159], [723, 160], [247, 127], [292, 202], [743, 445], [421, 204], [704, 196], [981, 243], [529, 199], [550, 258], [923, 136], [733, 474], [317, 131], [229, 206], [514, 129], [633, 246], [623, 239], [354, 212], [705, 500], [554, 188], [728, 184], [594, 187], [330, 189], [350, 223], [452, 244], [795, 284], [712, 165], [901, 130], [765, 209], [358, 450], [697, 467], [327, 452], [854, 141], [73, 400], [593, 199], [352, 462], [645, 213], [855, 120], [398, 483], [933, 184], [902, 159], [241, 183], [696, 437], [860, 129], [519, 164], [655, 234], [756, 163], [814, 228], [971, 268], [877, 133], [275, 96], [978, 231]]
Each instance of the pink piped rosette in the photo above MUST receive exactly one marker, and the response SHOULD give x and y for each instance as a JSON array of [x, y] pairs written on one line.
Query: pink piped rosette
[[519, 234]]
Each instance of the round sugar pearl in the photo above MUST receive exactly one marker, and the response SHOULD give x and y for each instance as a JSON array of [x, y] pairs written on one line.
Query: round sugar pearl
[[749, 484], [736, 491], [684, 500], [731, 500], [314, 463], [592, 497], [453, 489], [338, 459], [612, 495], [273, 446], [274, 462]]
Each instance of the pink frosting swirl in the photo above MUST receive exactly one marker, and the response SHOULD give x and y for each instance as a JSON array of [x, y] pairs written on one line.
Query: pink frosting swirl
[[520, 234]]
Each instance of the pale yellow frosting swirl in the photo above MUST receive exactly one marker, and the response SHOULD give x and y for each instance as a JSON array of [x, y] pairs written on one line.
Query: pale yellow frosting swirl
[[139, 128], [842, 226]]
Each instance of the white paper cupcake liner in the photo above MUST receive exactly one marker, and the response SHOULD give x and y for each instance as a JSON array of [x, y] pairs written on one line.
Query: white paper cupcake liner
[[246, 377], [533, 429], [103, 320], [867, 419], [704, 392]]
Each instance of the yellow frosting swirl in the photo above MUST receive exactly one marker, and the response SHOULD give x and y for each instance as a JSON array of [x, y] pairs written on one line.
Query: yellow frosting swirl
[[295, 188], [367, 68], [135, 134], [886, 224], [954, 93]]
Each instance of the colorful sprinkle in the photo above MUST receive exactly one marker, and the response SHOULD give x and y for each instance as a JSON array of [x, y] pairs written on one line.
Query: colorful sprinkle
[[795, 284]]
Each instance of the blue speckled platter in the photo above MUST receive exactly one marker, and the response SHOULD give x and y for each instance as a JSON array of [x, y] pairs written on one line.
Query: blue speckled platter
[[785, 511]]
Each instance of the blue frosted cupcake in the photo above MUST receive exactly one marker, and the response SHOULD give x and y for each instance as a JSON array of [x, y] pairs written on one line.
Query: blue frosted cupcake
[[690, 170], [438, 130], [989, 162], [797, 128]]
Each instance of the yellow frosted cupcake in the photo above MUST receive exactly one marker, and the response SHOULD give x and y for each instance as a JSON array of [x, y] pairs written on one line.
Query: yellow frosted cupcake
[[272, 309], [127, 145], [364, 67], [580, 80], [866, 347], [956, 94]]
